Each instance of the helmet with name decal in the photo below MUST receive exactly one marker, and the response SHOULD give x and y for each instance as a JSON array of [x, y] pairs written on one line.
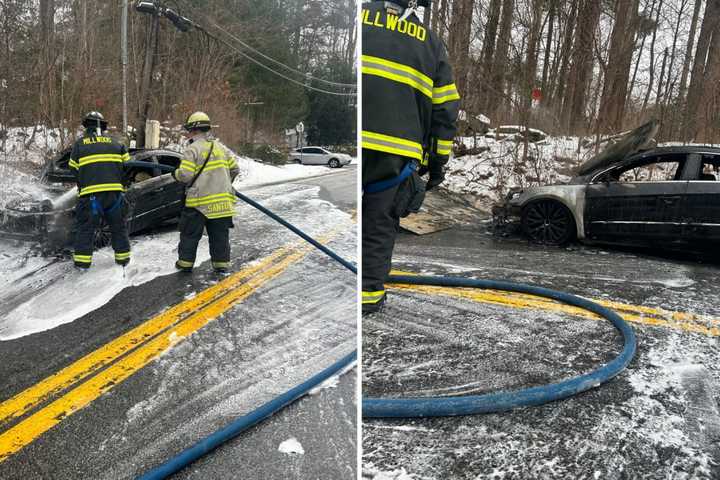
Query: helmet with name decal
[[410, 3], [197, 121]]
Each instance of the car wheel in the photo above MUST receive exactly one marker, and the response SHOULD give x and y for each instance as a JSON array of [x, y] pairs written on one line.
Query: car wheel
[[298, 161], [548, 222], [102, 235], [334, 163]]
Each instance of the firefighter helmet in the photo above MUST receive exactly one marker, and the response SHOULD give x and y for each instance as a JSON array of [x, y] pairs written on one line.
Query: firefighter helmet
[[411, 3], [197, 121], [94, 120]]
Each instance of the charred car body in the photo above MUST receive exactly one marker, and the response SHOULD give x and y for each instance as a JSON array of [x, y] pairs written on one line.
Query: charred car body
[[630, 194], [152, 197]]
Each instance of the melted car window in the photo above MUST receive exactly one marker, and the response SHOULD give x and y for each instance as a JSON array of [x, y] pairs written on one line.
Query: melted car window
[[710, 168], [651, 172]]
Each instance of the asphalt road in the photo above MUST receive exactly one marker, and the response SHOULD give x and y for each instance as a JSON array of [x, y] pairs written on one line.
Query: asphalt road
[[288, 313], [659, 419]]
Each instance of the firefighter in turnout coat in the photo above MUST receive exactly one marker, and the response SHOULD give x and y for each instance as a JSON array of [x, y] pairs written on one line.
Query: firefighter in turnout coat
[[409, 114], [97, 161], [210, 200]]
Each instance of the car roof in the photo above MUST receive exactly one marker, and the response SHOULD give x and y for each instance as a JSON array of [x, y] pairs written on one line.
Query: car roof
[[651, 152]]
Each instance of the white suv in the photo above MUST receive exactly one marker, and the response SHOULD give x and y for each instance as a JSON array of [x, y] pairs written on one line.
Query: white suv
[[318, 156]]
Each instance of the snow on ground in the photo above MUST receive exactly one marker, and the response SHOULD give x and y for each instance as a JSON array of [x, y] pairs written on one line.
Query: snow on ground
[[59, 302], [23, 152], [291, 446]]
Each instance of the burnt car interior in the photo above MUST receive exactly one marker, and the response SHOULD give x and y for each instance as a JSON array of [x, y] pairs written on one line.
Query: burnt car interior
[[710, 168], [654, 169]]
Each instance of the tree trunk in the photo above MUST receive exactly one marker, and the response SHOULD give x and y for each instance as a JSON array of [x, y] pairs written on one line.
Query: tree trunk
[[573, 111], [459, 41], [495, 91], [561, 76], [488, 48], [622, 42], [548, 45], [688, 50], [710, 25], [651, 79], [708, 112]]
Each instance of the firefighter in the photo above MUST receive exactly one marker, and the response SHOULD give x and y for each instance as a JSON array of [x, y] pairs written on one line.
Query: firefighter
[[210, 199], [98, 160], [409, 114]]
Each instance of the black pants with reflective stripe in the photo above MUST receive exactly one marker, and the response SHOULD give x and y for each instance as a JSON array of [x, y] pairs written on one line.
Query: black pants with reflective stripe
[[380, 225], [87, 223], [192, 225]]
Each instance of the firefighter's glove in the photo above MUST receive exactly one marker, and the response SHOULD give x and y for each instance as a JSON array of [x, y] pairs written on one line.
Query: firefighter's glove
[[437, 176], [422, 170]]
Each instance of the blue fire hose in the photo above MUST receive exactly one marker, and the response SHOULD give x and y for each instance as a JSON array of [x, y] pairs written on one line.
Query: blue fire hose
[[418, 407], [503, 401]]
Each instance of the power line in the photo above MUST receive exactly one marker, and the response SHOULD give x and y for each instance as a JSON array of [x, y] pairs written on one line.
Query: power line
[[277, 62]]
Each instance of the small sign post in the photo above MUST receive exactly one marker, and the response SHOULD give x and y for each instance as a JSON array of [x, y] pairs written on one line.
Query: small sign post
[[300, 128]]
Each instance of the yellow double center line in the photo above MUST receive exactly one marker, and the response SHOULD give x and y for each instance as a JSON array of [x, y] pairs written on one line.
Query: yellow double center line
[[138, 347], [632, 313]]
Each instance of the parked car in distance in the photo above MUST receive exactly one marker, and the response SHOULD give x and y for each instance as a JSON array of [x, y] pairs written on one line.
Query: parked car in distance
[[516, 133], [318, 156], [662, 197], [152, 197]]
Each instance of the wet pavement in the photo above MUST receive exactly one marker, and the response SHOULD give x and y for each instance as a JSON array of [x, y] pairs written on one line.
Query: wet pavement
[[288, 324], [658, 419]]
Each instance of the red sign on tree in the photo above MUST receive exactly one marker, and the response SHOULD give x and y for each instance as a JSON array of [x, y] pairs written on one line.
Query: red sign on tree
[[536, 94]]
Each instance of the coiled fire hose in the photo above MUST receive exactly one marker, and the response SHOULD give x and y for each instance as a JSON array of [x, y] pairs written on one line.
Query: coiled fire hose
[[420, 406]]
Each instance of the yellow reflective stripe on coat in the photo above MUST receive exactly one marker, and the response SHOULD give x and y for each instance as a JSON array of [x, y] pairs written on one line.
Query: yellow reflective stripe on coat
[[389, 144], [372, 297], [188, 165], [73, 164], [101, 157], [125, 157], [397, 72], [444, 94], [220, 215], [102, 187], [208, 199], [444, 147]]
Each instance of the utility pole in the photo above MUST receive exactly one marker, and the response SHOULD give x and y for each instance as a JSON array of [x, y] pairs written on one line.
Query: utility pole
[[151, 47], [124, 60]]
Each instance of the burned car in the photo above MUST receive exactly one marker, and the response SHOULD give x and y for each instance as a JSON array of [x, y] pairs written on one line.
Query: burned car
[[152, 198], [631, 194]]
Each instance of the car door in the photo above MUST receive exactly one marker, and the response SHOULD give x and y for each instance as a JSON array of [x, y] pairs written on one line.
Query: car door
[[638, 203], [702, 206], [155, 199], [312, 156]]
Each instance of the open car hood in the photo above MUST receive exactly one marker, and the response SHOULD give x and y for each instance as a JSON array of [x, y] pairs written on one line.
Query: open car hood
[[627, 145]]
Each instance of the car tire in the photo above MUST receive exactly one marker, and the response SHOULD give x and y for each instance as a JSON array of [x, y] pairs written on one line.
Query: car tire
[[298, 161], [548, 222], [102, 236], [334, 163]]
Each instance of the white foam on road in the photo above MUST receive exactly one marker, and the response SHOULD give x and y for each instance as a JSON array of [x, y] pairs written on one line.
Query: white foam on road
[[73, 293], [331, 382], [291, 446], [39, 293]]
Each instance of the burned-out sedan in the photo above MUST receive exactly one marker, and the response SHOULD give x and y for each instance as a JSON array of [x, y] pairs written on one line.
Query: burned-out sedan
[[153, 197], [662, 197]]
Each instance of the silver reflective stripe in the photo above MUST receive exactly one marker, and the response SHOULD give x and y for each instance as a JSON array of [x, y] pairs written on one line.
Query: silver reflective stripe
[[401, 73], [395, 145]]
